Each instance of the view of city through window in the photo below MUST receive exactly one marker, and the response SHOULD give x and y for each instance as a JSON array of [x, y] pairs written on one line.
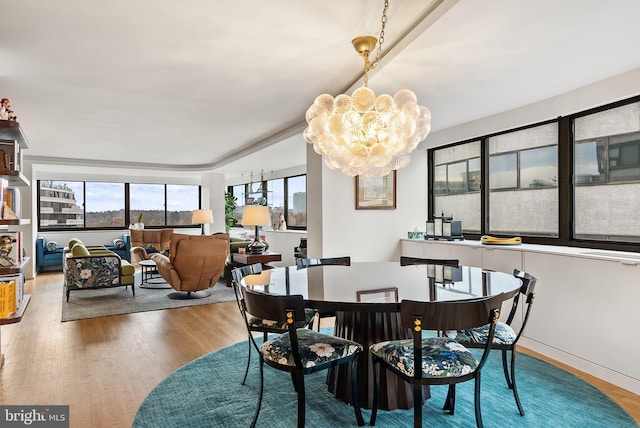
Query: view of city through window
[[285, 197], [78, 205]]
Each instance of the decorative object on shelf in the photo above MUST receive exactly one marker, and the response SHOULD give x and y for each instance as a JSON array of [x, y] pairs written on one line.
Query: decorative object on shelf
[[138, 225], [444, 227], [5, 110], [416, 234], [364, 134], [256, 215], [492, 240], [281, 224], [202, 217], [10, 249], [8, 213]]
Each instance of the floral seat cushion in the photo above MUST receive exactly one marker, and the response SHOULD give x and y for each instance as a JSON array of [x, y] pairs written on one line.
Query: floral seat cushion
[[256, 323], [504, 334], [315, 348], [441, 357]]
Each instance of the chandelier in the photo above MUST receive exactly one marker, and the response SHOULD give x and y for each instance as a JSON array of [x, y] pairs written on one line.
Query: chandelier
[[365, 134]]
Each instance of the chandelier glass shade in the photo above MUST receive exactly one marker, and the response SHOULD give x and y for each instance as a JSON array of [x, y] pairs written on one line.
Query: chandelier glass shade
[[367, 135]]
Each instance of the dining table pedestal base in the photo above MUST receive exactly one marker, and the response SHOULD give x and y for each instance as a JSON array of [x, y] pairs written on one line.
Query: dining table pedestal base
[[367, 328]]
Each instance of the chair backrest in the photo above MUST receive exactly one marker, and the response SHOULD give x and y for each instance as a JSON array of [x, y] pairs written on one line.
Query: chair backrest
[[409, 261], [240, 272], [302, 263], [527, 292], [289, 309], [450, 315], [198, 260]]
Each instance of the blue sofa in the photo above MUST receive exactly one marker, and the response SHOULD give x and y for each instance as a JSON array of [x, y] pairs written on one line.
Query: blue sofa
[[49, 257]]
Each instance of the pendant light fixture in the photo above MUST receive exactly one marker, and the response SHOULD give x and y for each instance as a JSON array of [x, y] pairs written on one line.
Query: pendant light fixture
[[364, 134]]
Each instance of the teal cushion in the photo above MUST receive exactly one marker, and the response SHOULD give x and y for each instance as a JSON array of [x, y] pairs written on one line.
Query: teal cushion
[[441, 357], [315, 348]]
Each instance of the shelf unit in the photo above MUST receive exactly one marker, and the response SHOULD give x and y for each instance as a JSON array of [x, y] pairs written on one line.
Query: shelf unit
[[11, 132]]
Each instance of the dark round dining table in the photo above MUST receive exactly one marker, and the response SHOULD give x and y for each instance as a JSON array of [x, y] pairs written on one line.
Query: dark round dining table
[[365, 298]]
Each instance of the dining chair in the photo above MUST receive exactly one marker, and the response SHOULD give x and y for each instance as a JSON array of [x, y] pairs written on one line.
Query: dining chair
[[442, 360], [303, 263], [255, 324], [409, 261], [506, 336], [299, 351]]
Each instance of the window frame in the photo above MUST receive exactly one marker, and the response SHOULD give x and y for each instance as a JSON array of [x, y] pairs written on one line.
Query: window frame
[[566, 236], [127, 204]]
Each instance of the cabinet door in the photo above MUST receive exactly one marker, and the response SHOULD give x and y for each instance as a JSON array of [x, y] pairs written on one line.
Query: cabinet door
[[467, 255], [587, 308], [413, 248], [501, 259]]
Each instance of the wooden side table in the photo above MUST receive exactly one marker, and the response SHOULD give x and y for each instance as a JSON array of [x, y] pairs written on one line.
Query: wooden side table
[[249, 259]]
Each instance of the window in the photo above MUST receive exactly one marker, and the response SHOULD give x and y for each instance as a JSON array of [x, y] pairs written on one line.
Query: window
[[275, 189], [65, 205], [61, 205], [182, 200], [457, 184], [573, 181], [297, 201], [607, 174], [104, 205], [523, 182], [285, 196]]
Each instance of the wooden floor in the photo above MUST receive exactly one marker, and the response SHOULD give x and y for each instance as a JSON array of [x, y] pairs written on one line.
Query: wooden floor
[[103, 368]]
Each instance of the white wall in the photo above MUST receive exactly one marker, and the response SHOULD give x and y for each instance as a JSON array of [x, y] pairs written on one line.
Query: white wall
[[335, 228]]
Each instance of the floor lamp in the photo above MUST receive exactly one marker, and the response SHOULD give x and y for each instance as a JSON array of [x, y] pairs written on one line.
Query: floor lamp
[[202, 217]]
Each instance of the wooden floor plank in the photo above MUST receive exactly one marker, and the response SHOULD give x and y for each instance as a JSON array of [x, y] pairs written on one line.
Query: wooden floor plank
[[105, 367]]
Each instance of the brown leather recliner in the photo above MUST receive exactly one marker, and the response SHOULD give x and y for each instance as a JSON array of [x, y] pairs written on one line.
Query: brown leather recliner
[[158, 238], [195, 263]]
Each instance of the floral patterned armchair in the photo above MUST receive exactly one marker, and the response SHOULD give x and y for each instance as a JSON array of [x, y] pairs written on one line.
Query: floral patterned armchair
[[86, 269]]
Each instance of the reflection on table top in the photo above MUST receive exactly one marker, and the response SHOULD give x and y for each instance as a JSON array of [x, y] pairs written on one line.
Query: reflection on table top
[[338, 287]]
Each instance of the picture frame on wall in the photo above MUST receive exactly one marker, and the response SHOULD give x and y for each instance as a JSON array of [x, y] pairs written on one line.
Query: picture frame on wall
[[376, 193]]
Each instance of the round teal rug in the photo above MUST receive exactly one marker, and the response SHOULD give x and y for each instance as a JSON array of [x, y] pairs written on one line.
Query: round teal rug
[[206, 393]]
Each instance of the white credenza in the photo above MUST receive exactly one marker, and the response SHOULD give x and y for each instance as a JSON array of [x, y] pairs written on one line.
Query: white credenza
[[586, 305]]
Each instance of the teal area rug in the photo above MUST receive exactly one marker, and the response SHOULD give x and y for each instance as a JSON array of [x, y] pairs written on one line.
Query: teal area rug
[[207, 393]]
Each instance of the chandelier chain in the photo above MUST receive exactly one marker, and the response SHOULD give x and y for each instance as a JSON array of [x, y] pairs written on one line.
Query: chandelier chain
[[381, 38]]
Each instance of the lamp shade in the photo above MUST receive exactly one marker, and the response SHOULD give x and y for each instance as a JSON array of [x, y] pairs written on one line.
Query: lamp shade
[[256, 215], [202, 217]]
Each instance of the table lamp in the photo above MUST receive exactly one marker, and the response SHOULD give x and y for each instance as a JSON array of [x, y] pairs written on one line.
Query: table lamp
[[256, 215], [202, 217]]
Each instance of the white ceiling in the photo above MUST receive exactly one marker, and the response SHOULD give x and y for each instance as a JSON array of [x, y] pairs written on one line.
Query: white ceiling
[[202, 84]]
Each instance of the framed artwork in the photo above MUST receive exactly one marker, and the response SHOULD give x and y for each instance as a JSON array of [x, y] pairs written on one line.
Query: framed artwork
[[380, 295], [376, 193]]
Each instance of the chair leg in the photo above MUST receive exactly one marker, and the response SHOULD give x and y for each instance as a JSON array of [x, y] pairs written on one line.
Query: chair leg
[[255, 417], [450, 401], [299, 386], [354, 392], [476, 401], [417, 404], [376, 391], [513, 382], [505, 368], [246, 371]]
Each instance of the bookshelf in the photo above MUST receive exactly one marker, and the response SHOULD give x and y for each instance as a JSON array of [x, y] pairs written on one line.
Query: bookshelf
[[12, 262]]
